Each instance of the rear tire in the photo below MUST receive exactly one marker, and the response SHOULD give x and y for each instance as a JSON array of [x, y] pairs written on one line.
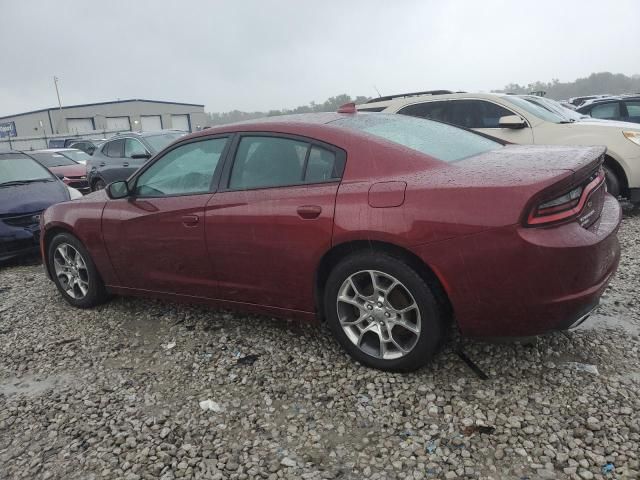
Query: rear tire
[[74, 272], [374, 297], [612, 180]]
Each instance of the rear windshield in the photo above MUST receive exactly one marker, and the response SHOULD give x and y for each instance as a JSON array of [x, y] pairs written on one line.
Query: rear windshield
[[158, 142], [20, 168], [50, 160], [439, 140]]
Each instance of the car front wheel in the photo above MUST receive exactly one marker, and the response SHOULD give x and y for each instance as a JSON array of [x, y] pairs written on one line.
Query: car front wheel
[[613, 183], [382, 312], [74, 272]]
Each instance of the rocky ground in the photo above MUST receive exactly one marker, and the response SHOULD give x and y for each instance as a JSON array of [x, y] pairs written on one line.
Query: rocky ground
[[115, 393]]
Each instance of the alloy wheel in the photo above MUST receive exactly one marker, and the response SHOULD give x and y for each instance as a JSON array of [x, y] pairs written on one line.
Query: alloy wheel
[[378, 314], [71, 271]]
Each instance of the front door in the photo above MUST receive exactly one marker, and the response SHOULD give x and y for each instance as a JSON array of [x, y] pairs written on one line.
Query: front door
[[155, 238], [268, 227]]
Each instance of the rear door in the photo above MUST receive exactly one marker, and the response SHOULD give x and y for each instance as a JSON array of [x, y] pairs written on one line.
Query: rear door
[[155, 238], [272, 219], [109, 160]]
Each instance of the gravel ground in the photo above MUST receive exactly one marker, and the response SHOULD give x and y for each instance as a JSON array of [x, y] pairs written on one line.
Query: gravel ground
[[115, 392]]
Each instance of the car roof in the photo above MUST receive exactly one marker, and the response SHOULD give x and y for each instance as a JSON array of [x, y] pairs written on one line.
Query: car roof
[[400, 101], [298, 119], [53, 150], [145, 134]]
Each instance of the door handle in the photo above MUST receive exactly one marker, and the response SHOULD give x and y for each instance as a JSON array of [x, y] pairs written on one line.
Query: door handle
[[309, 211], [102, 164], [190, 220], [125, 164]]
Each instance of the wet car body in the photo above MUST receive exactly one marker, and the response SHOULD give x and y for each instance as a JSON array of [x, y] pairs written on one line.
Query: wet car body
[[21, 206], [71, 172], [470, 227]]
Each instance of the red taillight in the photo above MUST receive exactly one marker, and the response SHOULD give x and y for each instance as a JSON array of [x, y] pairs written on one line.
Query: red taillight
[[564, 207]]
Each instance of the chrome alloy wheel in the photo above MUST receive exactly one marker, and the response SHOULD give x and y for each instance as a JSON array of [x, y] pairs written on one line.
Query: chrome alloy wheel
[[71, 271], [378, 314]]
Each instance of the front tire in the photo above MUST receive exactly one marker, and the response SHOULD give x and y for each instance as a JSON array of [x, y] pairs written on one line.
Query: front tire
[[99, 185], [382, 312], [613, 182], [74, 272]]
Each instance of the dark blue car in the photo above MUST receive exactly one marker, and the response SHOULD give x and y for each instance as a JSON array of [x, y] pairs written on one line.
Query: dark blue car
[[26, 190]]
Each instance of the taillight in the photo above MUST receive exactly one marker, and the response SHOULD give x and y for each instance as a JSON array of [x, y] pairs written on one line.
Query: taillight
[[564, 207]]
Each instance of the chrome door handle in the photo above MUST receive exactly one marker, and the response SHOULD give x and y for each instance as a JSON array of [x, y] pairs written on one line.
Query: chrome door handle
[[125, 164]]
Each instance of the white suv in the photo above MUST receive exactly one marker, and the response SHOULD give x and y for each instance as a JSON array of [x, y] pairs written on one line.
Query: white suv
[[526, 119]]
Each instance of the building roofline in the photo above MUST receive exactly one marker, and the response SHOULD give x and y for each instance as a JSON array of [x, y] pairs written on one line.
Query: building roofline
[[102, 103]]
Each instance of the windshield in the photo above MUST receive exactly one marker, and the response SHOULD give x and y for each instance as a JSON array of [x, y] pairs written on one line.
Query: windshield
[[158, 142], [76, 155], [20, 168], [50, 159], [535, 109], [555, 107], [439, 140]]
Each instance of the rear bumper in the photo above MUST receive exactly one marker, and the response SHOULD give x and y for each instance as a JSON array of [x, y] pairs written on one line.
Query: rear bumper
[[515, 281]]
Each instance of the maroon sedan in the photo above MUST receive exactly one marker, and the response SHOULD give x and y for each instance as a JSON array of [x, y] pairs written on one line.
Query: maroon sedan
[[60, 163], [388, 227]]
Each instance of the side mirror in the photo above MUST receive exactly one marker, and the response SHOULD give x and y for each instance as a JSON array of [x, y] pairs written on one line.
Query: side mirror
[[119, 189], [512, 121], [141, 155]]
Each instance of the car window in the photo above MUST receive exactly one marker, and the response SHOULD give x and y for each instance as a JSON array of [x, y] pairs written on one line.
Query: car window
[[476, 113], [114, 148], [262, 162], [321, 166], [606, 111], [132, 147], [185, 170], [435, 110], [18, 167], [158, 142], [439, 140], [633, 109]]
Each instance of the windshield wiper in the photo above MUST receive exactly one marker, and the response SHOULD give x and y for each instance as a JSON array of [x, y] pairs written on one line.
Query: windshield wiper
[[24, 182]]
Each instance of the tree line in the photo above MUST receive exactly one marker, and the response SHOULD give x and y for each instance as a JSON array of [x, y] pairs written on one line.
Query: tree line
[[596, 83]]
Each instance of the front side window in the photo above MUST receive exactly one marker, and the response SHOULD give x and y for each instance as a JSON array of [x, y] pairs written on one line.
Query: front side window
[[441, 141], [606, 111], [476, 113], [114, 149], [185, 170], [633, 108], [262, 162], [133, 147]]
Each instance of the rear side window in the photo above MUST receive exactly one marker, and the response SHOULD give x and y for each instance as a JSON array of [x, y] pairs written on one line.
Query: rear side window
[[266, 161], [441, 141], [114, 148], [435, 110], [606, 111]]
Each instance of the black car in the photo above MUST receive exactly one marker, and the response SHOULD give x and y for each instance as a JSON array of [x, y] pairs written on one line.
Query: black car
[[623, 108], [26, 190], [124, 153]]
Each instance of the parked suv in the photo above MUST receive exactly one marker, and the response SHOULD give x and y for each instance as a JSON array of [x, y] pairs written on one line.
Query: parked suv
[[124, 153], [624, 108], [519, 119]]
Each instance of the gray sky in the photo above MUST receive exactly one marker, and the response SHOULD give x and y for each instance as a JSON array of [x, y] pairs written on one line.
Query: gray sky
[[260, 55]]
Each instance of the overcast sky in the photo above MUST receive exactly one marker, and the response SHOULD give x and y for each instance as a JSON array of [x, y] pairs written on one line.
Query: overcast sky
[[260, 55]]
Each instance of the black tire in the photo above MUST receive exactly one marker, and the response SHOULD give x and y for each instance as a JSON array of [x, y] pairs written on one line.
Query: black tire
[[96, 292], [99, 185], [431, 316], [613, 182]]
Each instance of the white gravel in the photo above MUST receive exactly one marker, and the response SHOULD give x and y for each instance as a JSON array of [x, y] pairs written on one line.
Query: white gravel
[[98, 394]]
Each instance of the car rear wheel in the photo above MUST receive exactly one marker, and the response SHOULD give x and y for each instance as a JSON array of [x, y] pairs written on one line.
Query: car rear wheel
[[74, 273], [382, 312], [613, 183], [98, 185]]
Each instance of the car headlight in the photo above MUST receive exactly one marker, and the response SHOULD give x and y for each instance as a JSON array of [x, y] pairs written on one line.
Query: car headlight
[[633, 136], [73, 193]]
